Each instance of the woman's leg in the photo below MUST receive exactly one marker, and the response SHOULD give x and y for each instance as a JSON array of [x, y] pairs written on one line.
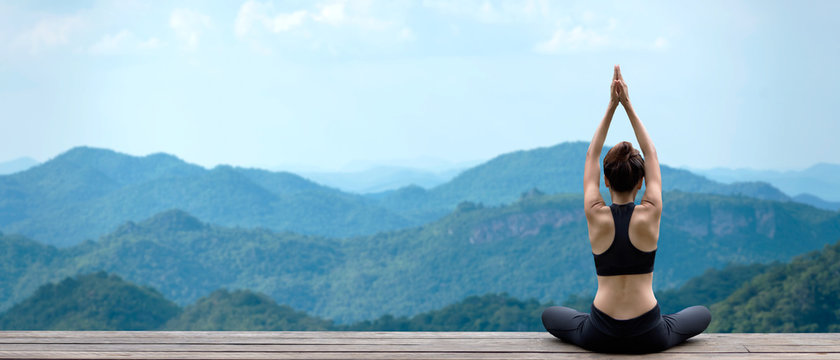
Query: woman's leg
[[686, 323], [564, 323]]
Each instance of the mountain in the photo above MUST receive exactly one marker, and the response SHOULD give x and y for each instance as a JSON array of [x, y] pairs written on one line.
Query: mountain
[[802, 296], [90, 302], [556, 169], [243, 310], [100, 301], [87, 192], [817, 202], [381, 178], [821, 180], [489, 312], [16, 165], [533, 248]]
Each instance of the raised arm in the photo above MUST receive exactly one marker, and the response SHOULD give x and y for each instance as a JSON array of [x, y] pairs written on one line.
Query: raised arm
[[592, 198], [653, 177]]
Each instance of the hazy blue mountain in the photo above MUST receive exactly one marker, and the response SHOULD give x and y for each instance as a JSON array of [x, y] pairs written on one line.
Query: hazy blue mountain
[[821, 180], [555, 169], [817, 202], [87, 192], [381, 178], [533, 248], [16, 165]]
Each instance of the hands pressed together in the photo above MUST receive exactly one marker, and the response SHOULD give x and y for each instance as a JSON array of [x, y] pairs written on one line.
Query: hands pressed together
[[618, 89]]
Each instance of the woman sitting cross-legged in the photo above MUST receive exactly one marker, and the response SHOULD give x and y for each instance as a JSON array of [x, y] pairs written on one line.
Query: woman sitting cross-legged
[[625, 315]]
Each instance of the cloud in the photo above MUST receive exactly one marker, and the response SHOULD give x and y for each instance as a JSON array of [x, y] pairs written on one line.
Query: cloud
[[122, 42], [188, 26], [574, 40], [593, 34], [326, 25], [254, 16], [112, 43], [493, 12], [660, 43], [49, 32]]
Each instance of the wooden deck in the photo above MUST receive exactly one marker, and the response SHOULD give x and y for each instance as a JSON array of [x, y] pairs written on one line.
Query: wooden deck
[[384, 345]]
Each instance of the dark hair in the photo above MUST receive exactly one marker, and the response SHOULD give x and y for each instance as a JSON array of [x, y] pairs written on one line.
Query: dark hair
[[624, 167]]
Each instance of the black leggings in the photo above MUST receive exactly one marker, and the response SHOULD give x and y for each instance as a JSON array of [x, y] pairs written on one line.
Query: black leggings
[[649, 332]]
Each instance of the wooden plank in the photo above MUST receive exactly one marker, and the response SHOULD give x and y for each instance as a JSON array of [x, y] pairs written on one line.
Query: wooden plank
[[385, 345], [793, 348], [392, 355], [283, 334], [544, 347]]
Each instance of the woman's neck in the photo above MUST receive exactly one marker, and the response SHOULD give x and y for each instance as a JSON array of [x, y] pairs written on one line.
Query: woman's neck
[[623, 198]]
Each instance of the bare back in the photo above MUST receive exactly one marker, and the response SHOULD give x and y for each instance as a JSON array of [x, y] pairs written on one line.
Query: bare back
[[624, 296]]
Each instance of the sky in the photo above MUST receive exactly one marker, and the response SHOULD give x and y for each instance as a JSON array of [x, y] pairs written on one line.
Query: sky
[[331, 85]]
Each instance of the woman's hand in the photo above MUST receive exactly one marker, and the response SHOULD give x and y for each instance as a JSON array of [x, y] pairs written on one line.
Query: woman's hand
[[620, 87], [614, 89]]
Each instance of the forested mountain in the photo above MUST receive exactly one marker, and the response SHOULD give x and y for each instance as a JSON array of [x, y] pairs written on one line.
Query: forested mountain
[[533, 248], [556, 169], [802, 296], [100, 301], [243, 310], [95, 301], [87, 192]]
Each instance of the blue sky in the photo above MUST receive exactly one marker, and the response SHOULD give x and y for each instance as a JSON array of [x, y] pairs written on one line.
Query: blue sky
[[331, 84]]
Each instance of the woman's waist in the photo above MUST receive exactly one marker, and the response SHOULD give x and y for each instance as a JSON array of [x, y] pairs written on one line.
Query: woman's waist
[[625, 296]]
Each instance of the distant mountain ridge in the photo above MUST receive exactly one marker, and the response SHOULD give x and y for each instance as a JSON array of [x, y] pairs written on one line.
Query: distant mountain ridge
[[533, 248], [555, 169], [381, 178], [16, 165], [86, 192], [821, 180]]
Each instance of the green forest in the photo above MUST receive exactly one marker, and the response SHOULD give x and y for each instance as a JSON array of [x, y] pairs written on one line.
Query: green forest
[[800, 296]]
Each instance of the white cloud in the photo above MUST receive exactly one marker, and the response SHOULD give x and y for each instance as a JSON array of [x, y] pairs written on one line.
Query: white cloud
[[255, 16], [332, 14], [326, 25], [49, 32], [286, 22], [122, 42], [188, 26], [660, 43], [486, 11], [151, 43], [112, 43], [574, 40]]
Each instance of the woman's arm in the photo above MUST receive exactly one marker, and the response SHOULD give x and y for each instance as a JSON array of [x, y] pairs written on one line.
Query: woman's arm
[[653, 177], [592, 198]]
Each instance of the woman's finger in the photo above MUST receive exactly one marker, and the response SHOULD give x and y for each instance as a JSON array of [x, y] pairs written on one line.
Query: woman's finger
[[618, 73], [615, 72]]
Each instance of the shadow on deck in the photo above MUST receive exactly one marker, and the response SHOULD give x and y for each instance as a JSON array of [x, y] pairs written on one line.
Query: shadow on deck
[[384, 345]]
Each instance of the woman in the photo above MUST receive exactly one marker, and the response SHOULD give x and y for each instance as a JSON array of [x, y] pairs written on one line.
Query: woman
[[624, 316]]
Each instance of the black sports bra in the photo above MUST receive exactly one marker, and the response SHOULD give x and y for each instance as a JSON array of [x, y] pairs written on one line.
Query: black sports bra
[[622, 258]]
